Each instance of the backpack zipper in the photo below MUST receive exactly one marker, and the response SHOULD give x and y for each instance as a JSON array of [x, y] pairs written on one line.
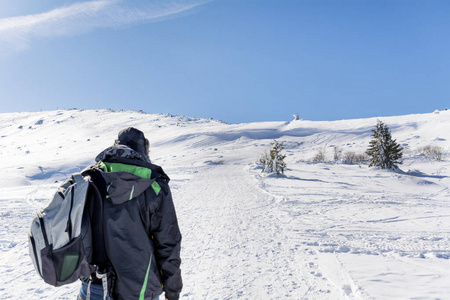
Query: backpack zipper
[[69, 221], [33, 245], [44, 232]]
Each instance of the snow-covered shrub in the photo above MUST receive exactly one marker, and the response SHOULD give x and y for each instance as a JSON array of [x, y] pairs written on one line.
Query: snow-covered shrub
[[273, 161], [384, 152], [434, 152], [320, 156], [354, 158], [337, 154]]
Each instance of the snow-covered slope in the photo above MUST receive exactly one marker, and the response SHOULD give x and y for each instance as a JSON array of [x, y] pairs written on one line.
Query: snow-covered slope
[[324, 231]]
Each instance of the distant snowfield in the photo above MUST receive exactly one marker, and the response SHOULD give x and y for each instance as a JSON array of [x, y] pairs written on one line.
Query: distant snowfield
[[322, 231]]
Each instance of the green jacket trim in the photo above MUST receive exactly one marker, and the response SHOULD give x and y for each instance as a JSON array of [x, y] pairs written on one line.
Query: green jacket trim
[[131, 194], [156, 187], [144, 286], [118, 167]]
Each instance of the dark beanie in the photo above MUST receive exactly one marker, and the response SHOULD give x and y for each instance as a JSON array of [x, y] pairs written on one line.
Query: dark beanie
[[134, 139]]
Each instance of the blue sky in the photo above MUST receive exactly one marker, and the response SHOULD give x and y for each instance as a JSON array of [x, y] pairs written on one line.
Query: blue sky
[[233, 60]]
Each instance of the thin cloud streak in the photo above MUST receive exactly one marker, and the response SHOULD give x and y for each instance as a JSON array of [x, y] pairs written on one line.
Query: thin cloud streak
[[17, 33]]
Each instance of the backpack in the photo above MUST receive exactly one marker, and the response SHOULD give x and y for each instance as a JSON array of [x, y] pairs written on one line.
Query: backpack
[[56, 240]]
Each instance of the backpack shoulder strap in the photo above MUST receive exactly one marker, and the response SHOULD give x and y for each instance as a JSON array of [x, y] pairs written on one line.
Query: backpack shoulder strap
[[96, 195]]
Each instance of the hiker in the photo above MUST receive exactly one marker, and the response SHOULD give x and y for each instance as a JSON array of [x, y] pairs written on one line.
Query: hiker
[[137, 226]]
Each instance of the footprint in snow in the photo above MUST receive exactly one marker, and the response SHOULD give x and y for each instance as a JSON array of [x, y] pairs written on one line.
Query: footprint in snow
[[347, 289]]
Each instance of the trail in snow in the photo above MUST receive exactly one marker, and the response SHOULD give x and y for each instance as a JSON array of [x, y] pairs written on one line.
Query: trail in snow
[[235, 245]]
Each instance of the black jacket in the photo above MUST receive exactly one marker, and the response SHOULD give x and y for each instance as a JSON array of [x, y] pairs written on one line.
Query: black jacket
[[139, 226]]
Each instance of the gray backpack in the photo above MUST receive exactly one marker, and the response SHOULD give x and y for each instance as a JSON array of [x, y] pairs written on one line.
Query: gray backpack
[[56, 241]]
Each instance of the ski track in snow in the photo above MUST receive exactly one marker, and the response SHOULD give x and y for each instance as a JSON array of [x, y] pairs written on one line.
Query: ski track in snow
[[323, 231]]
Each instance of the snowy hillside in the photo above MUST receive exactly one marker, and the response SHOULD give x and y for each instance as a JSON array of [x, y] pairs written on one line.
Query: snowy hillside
[[324, 231]]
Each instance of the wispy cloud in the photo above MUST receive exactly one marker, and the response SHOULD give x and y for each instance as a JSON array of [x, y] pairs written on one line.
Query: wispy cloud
[[17, 33]]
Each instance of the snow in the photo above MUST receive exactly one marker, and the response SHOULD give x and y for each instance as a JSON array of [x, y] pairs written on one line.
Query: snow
[[322, 231]]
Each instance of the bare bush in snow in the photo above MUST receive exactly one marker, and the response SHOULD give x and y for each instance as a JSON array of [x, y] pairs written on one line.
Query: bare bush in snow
[[337, 153], [434, 152], [320, 156], [355, 158]]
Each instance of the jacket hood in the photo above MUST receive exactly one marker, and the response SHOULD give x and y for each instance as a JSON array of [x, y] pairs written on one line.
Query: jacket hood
[[123, 186], [126, 155]]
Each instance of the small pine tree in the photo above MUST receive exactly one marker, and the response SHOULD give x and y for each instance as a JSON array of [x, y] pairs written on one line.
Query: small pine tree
[[384, 152], [274, 161]]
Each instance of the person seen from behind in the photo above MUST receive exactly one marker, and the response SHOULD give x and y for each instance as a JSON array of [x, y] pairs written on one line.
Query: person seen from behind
[[136, 239]]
